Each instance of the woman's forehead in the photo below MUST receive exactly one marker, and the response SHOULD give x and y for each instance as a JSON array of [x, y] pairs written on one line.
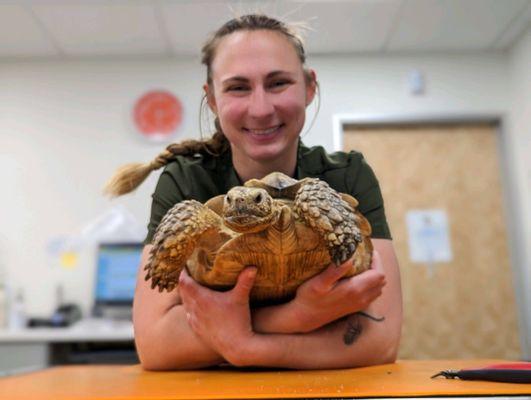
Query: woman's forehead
[[246, 53]]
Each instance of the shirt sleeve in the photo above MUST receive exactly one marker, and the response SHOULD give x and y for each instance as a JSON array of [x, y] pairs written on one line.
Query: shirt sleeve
[[366, 189], [167, 194]]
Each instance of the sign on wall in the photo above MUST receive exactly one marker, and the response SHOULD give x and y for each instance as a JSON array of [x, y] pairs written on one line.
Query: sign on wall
[[157, 115], [429, 241]]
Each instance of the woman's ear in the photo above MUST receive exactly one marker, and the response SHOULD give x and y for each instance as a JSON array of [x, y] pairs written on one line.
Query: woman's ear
[[311, 85], [211, 100]]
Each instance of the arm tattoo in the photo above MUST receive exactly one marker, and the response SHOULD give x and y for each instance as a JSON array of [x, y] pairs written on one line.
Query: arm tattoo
[[354, 327], [353, 330], [376, 319]]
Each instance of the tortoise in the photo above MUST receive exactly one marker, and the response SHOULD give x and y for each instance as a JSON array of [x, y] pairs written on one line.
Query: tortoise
[[289, 229]]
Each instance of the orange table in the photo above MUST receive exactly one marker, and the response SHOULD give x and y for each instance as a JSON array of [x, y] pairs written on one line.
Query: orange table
[[403, 379]]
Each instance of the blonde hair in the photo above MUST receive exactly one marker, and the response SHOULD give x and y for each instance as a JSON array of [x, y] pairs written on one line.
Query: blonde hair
[[128, 177]]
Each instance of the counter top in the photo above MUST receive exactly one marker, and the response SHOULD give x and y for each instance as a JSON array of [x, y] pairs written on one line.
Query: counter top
[[403, 379]]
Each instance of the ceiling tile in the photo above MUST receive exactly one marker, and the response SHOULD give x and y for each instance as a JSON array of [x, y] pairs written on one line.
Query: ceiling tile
[[21, 35], [120, 28], [189, 24], [363, 23], [345, 26], [180, 27], [452, 24]]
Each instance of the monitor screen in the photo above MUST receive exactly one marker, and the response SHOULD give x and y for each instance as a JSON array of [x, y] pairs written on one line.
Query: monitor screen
[[117, 266]]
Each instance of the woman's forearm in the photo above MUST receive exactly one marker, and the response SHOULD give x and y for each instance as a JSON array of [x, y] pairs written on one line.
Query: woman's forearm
[[350, 342], [170, 344], [282, 318], [353, 341], [163, 336]]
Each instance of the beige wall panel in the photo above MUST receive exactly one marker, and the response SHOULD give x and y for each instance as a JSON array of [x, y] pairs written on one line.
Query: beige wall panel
[[464, 308]]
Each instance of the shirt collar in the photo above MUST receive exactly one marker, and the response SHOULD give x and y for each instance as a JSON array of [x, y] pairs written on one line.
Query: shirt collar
[[310, 163]]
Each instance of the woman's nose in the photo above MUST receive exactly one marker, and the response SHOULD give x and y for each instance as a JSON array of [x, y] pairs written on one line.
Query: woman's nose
[[260, 104]]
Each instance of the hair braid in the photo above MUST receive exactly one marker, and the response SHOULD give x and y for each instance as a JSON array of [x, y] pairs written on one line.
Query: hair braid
[[128, 177]]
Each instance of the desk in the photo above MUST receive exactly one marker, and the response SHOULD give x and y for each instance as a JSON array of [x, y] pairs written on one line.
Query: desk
[[31, 348], [403, 379]]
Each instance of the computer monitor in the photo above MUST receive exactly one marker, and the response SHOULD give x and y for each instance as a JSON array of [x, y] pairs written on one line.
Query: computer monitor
[[116, 269]]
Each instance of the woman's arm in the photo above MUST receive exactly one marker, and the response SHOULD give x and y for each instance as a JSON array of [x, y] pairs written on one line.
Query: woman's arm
[[163, 337], [223, 321]]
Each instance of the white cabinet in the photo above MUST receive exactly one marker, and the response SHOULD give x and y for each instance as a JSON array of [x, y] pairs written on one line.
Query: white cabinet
[[29, 349]]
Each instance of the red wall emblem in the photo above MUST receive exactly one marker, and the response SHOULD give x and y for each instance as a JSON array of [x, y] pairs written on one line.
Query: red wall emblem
[[157, 114]]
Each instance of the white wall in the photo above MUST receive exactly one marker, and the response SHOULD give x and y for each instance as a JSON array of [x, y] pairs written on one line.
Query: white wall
[[64, 128], [520, 128], [378, 85]]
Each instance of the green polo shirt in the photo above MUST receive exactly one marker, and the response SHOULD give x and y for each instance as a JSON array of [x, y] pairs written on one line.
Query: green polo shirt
[[201, 177]]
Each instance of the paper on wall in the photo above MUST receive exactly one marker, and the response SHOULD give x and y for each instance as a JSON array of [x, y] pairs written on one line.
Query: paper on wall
[[429, 240]]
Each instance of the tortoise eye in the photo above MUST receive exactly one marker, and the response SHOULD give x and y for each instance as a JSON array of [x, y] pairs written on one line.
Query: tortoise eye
[[258, 198]]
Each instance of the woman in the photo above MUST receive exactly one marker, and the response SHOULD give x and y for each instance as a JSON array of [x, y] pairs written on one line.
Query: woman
[[258, 87]]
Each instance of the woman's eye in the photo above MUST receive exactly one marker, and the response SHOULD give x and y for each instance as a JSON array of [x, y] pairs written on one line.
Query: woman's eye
[[279, 83], [237, 88]]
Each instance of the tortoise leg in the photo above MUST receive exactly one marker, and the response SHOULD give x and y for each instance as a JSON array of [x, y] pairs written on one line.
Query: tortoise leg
[[175, 239], [332, 217]]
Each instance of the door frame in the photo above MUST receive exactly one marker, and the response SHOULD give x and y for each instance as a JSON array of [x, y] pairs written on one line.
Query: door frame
[[511, 200]]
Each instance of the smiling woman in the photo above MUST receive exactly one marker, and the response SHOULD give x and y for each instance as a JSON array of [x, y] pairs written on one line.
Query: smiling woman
[[258, 87], [259, 91]]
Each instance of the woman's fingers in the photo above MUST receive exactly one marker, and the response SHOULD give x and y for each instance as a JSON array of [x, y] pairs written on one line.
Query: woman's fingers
[[187, 286], [192, 294], [359, 285], [244, 284], [370, 295], [328, 278]]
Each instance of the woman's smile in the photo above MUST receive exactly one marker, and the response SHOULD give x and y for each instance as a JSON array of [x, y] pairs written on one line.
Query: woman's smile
[[264, 134]]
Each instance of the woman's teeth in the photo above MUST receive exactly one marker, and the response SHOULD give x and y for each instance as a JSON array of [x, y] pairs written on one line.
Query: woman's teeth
[[263, 131]]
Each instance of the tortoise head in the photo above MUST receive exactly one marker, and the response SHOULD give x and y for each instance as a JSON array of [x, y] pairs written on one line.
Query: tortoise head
[[249, 209]]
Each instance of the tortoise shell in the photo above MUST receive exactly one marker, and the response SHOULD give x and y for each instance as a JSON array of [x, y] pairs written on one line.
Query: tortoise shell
[[289, 229]]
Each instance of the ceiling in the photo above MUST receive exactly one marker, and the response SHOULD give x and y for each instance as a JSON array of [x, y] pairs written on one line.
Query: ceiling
[[69, 29]]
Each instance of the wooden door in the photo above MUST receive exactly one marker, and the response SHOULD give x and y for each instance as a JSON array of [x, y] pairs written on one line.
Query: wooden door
[[466, 307]]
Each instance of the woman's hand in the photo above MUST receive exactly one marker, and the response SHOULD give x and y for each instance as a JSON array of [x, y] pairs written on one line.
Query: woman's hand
[[323, 299], [221, 319]]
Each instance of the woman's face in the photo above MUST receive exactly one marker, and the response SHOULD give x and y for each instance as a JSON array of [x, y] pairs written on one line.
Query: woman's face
[[259, 93]]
